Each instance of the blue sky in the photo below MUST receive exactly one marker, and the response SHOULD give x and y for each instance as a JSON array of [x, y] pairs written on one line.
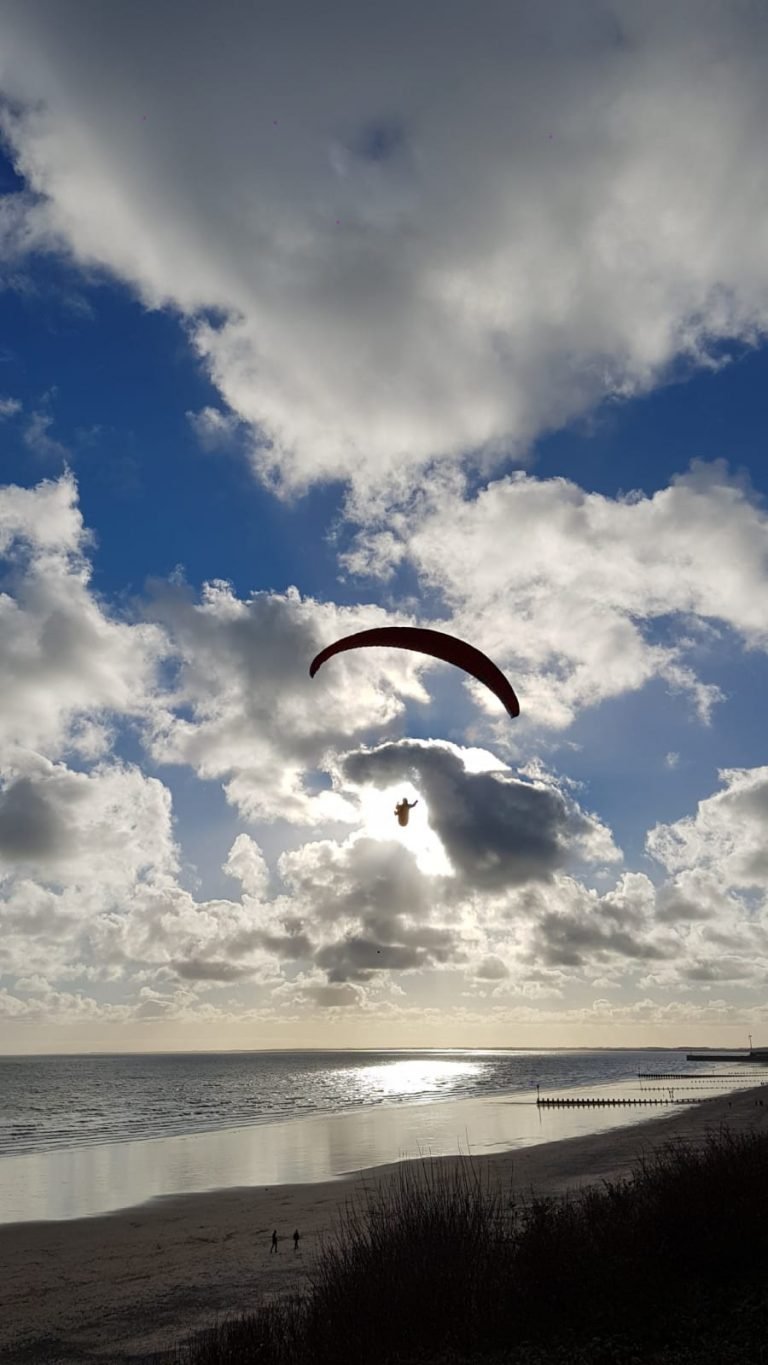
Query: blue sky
[[351, 353]]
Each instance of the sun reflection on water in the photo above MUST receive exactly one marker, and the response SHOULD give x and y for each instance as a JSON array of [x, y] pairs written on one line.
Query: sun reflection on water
[[415, 1076]]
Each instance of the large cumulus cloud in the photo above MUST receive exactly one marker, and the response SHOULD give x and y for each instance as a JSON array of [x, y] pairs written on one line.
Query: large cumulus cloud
[[244, 708], [106, 824], [725, 839], [496, 829], [67, 666], [372, 909], [564, 588], [91, 874], [466, 234]]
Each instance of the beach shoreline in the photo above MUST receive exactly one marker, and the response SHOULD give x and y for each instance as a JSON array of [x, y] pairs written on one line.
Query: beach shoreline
[[121, 1286]]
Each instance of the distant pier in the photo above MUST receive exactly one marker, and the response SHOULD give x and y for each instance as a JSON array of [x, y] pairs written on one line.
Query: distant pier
[[755, 1054]]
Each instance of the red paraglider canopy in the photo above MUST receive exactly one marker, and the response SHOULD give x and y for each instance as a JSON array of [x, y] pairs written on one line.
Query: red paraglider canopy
[[434, 642]]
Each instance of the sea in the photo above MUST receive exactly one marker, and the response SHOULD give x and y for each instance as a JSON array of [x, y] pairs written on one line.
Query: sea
[[86, 1135]]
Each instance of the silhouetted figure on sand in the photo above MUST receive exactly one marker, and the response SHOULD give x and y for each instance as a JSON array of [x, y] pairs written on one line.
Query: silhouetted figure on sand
[[296, 1240], [274, 1242], [403, 808]]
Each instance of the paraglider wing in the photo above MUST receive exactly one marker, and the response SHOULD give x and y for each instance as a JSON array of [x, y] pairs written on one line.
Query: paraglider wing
[[435, 642]]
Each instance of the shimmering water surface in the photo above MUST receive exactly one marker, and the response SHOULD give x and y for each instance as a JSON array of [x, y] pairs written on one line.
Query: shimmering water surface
[[85, 1135]]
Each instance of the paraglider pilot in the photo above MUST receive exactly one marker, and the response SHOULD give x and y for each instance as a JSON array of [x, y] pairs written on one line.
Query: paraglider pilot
[[403, 808]]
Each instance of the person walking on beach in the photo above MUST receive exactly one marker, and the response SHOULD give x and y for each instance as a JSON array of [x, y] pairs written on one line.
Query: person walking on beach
[[296, 1241], [274, 1242]]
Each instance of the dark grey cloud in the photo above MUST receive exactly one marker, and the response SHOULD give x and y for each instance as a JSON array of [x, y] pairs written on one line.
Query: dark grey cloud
[[725, 969], [497, 830], [727, 940], [585, 937], [288, 947], [491, 969], [343, 996], [357, 959], [673, 906], [388, 946], [32, 827]]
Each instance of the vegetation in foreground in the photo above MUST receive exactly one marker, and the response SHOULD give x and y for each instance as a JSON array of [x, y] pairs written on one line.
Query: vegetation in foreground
[[665, 1268]]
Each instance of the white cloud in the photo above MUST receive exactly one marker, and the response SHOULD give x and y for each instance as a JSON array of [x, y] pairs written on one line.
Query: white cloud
[[725, 839], [102, 827], [66, 665], [214, 429], [563, 587], [469, 235], [37, 439], [246, 863], [46, 517], [245, 709], [9, 407], [75, 849], [370, 907], [89, 864]]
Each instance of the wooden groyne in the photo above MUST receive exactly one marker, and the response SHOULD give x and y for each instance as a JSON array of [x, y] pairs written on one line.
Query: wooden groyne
[[561, 1102], [666, 1089], [680, 1077]]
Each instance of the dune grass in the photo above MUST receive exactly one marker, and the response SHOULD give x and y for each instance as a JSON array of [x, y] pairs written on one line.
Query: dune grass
[[667, 1267]]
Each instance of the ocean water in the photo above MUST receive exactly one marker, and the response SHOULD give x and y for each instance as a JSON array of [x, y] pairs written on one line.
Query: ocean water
[[50, 1103], [85, 1135]]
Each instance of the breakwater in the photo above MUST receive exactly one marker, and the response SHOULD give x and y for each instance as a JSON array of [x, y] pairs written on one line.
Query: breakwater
[[699, 1076], [587, 1102]]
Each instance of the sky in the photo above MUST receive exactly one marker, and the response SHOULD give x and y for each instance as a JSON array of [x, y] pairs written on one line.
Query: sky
[[314, 319]]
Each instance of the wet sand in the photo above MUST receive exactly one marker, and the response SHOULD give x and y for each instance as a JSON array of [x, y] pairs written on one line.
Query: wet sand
[[120, 1287]]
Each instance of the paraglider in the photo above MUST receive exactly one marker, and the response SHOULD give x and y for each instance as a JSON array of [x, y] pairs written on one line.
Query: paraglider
[[402, 810], [440, 646], [434, 642]]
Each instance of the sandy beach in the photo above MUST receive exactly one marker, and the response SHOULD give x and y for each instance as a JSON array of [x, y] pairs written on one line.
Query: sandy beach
[[121, 1287]]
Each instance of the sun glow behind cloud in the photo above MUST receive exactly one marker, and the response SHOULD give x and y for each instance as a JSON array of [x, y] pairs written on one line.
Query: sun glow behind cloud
[[378, 821]]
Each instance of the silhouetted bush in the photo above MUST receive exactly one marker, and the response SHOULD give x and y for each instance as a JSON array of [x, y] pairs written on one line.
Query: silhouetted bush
[[665, 1267]]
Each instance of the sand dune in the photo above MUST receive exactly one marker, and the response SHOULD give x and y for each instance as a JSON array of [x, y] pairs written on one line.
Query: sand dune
[[119, 1287]]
